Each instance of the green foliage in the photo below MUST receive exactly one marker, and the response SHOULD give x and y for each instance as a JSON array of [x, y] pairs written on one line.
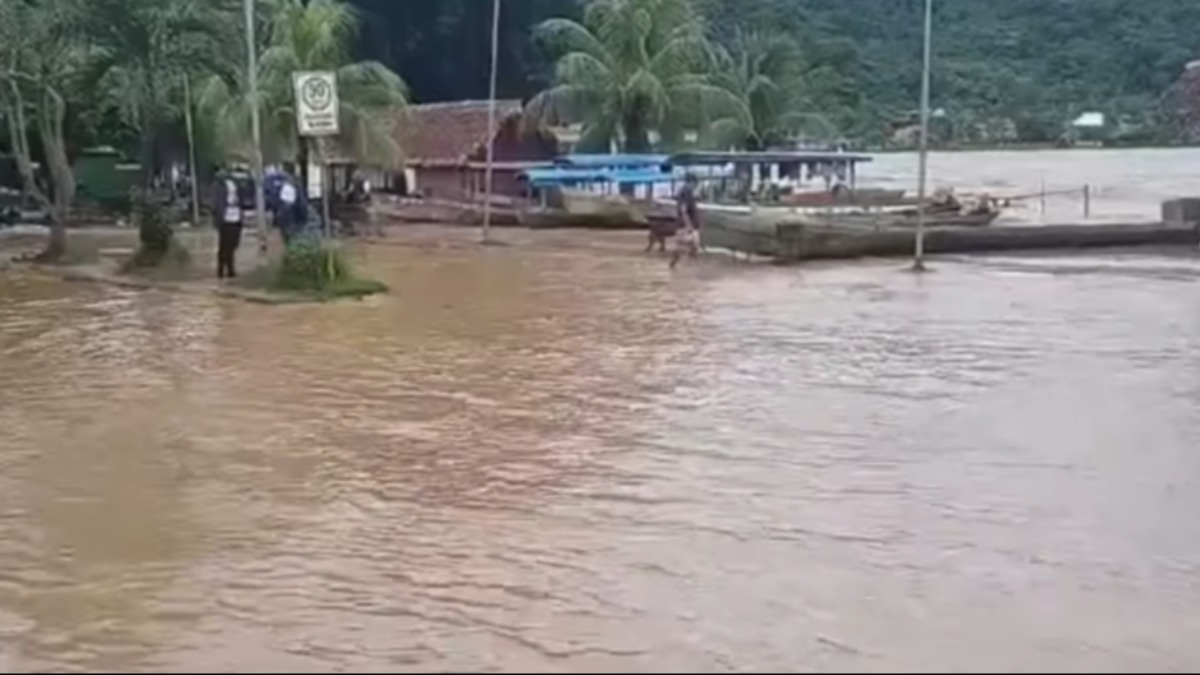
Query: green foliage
[[317, 269], [39, 62], [308, 35], [764, 76], [141, 51], [309, 265], [153, 231], [1034, 63], [631, 67], [158, 248]]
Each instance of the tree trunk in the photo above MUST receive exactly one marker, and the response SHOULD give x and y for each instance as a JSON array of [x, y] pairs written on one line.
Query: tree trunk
[[637, 139], [50, 127], [149, 128], [637, 136], [146, 152], [19, 139]]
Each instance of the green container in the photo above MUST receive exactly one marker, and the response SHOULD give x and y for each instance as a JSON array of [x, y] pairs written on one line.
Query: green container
[[103, 179]]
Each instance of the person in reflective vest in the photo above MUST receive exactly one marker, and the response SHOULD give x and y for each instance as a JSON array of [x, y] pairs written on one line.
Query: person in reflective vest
[[227, 212]]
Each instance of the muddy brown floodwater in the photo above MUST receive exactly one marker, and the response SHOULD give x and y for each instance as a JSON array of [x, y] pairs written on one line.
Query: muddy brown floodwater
[[558, 457]]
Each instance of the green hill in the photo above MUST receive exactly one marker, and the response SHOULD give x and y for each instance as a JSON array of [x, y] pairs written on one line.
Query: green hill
[[1025, 65]]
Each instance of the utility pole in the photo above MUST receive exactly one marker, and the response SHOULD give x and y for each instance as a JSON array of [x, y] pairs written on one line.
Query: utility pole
[[923, 167], [191, 134], [260, 207], [491, 141]]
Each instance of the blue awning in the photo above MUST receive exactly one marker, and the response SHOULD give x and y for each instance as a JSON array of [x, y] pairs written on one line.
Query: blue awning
[[564, 176]]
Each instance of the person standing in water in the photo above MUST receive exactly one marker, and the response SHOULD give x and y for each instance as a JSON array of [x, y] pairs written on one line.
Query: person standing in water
[[687, 241], [227, 212]]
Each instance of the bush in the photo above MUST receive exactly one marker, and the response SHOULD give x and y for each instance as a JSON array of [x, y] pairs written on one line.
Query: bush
[[310, 266], [154, 233], [158, 246], [313, 270]]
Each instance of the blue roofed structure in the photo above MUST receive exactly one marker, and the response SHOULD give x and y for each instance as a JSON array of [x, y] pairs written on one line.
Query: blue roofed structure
[[559, 176]]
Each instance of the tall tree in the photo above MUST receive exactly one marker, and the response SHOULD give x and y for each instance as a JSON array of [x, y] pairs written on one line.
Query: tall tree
[[627, 70], [768, 94], [302, 36], [39, 61], [141, 51]]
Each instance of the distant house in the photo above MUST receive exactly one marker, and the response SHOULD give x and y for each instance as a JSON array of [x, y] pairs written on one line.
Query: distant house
[[1089, 120], [445, 146], [1089, 129]]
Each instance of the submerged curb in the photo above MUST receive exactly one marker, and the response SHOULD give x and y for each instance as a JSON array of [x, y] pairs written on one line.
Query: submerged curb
[[102, 276]]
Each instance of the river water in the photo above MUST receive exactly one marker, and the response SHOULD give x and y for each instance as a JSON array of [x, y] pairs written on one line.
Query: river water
[[1125, 185], [559, 456]]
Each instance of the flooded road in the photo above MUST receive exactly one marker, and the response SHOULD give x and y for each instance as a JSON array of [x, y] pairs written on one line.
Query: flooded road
[[559, 458]]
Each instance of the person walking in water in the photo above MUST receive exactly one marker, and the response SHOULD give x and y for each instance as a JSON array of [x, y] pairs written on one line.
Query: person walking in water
[[687, 240], [227, 212]]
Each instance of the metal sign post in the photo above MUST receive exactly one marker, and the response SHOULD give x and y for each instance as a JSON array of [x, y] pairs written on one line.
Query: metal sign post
[[260, 215], [317, 116]]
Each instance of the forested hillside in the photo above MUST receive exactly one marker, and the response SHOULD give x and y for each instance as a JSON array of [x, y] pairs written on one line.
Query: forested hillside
[[1034, 63]]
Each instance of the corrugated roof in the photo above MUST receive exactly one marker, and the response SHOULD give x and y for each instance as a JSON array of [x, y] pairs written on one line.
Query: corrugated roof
[[615, 160], [570, 176], [781, 157], [449, 132]]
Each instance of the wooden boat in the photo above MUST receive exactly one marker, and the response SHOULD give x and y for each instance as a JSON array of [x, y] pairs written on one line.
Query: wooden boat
[[587, 211], [903, 219], [861, 197], [789, 242], [552, 219]]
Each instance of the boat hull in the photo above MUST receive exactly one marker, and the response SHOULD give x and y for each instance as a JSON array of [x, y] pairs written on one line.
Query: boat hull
[[865, 197]]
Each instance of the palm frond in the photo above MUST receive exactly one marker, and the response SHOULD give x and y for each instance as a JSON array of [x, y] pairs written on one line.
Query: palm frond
[[564, 35], [583, 70], [613, 69]]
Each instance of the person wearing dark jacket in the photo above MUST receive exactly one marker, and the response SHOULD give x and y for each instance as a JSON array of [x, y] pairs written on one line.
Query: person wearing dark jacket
[[227, 214]]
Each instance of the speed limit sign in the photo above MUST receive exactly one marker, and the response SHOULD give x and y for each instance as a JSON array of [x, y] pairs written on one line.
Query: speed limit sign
[[316, 103]]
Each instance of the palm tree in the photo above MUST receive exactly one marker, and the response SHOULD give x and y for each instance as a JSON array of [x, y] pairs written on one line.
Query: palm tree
[[141, 51], [631, 67], [305, 36], [766, 104]]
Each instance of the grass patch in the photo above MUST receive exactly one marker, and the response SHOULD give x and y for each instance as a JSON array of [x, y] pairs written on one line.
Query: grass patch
[[312, 270]]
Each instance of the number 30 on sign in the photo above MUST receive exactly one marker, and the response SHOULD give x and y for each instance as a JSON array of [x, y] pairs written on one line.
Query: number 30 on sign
[[316, 103]]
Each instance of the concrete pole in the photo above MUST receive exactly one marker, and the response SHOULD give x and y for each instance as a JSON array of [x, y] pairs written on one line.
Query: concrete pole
[[191, 138], [923, 166], [260, 207], [491, 139]]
